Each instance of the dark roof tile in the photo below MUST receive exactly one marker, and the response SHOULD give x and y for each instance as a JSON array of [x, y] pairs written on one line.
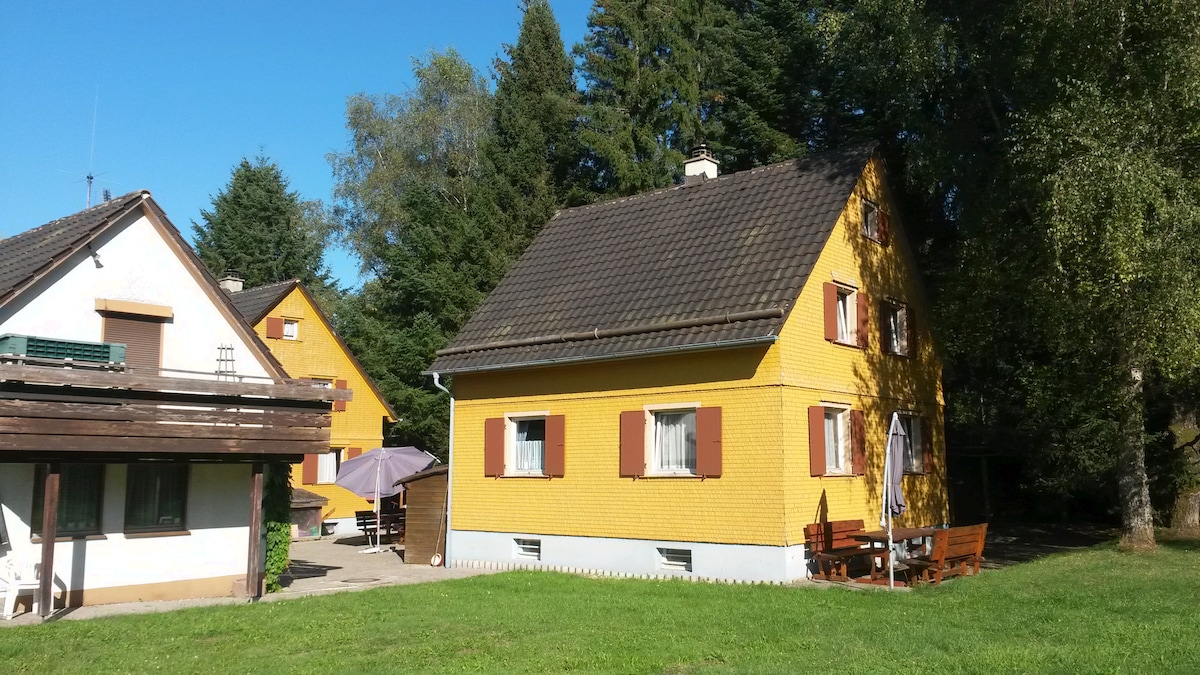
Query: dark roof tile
[[254, 303]]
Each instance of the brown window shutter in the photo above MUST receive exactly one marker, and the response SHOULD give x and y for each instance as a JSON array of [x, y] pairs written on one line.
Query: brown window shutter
[[633, 443], [861, 304], [351, 453], [910, 321], [493, 446], [885, 227], [830, 292], [339, 406], [554, 461], [926, 445], [308, 470], [885, 326], [142, 338], [274, 327], [816, 440], [858, 442], [708, 442]]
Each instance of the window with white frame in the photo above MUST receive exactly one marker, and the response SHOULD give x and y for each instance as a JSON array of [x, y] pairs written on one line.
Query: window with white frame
[[527, 444], [327, 466], [846, 315], [870, 220], [673, 441], [837, 440], [914, 460], [895, 328], [291, 329]]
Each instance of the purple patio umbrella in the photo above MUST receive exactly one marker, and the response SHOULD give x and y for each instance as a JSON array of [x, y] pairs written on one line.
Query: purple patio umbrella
[[373, 474]]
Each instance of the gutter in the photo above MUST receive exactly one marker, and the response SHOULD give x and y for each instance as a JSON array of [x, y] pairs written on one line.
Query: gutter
[[651, 351], [437, 382]]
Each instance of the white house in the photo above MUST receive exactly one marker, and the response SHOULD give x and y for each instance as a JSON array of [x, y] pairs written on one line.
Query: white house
[[153, 462]]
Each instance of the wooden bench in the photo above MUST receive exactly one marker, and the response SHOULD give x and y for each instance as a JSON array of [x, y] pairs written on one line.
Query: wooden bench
[[956, 551], [391, 522], [833, 547]]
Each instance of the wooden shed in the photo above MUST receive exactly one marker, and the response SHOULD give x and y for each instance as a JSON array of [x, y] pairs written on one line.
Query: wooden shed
[[425, 520]]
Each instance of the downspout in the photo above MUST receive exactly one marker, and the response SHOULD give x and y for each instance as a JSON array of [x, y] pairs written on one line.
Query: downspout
[[437, 382]]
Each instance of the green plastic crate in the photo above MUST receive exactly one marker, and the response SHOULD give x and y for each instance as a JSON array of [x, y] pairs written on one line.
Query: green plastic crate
[[49, 348]]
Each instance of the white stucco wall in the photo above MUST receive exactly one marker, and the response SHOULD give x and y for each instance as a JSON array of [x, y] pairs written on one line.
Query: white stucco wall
[[138, 266], [218, 516]]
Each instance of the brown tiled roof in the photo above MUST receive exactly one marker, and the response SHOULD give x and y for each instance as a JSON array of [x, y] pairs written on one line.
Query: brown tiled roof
[[31, 253], [254, 303], [712, 264]]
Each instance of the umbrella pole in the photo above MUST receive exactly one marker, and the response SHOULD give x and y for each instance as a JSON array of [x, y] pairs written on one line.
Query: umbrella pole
[[378, 471], [887, 488]]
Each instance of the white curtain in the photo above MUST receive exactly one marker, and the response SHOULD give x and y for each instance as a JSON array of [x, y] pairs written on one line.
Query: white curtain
[[675, 441], [833, 441], [843, 316], [327, 466], [530, 444]]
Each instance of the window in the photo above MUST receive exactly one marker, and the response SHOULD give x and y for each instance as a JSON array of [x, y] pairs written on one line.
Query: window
[[80, 496], [527, 549], [845, 309], [142, 337], [674, 442], [327, 465], [291, 329], [528, 445], [675, 559], [870, 220], [914, 460], [156, 497], [837, 432], [845, 315], [895, 328]]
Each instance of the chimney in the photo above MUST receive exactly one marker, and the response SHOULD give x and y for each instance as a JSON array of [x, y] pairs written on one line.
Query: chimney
[[231, 282], [700, 167]]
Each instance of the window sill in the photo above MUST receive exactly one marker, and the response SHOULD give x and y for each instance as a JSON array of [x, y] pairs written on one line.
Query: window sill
[[148, 535], [524, 475], [843, 343], [840, 475], [899, 355], [672, 475], [70, 537]]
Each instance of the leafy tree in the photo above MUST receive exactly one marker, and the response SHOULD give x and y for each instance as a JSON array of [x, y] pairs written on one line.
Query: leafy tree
[[261, 230], [409, 204]]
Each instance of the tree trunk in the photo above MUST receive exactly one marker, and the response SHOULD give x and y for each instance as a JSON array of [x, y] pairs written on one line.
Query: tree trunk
[[1186, 514], [1137, 518]]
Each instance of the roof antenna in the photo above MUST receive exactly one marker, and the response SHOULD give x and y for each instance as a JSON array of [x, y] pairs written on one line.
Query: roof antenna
[[92, 177]]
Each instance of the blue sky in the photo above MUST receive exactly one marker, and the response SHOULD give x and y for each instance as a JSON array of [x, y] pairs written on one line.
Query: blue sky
[[185, 90]]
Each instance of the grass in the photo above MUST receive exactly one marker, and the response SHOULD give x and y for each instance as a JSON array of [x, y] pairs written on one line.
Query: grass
[[1097, 610]]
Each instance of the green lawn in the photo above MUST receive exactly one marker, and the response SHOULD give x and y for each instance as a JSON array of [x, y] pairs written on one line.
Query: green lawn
[[1098, 610]]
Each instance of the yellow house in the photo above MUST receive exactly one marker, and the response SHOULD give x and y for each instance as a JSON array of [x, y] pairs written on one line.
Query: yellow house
[[676, 383], [300, 336]]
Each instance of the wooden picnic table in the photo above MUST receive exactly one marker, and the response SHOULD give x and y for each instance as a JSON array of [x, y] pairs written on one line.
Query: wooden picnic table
[[898, 534]]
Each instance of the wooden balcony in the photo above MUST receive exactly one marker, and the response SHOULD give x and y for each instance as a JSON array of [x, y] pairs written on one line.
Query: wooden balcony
[[59, 414]]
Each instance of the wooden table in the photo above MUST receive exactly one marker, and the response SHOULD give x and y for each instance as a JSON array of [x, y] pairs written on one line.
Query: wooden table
[[878, 539]]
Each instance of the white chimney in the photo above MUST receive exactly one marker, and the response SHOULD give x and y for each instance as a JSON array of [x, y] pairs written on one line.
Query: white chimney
[[231, 282], [701, 163]]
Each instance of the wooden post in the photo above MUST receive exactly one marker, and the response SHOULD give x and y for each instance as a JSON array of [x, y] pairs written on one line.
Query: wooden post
[[253, 571], [49, 533]]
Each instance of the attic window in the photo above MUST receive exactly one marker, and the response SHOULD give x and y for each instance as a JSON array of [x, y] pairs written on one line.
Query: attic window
[[870, 220], [291, 329]]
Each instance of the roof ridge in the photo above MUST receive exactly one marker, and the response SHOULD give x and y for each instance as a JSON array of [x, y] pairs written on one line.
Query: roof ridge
[[273, 283], [112, 203]]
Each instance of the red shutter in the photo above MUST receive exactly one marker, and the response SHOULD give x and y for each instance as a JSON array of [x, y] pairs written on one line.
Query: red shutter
[[861, 302], [308, 470], [911, 323], [633, 443], [493, 446], [858, 442], [274, 328], [830, 294], [708, 442], [816, 440], [351, 453], [926, 445], [339, 406], [885, 326], [885, 227], [556, 441]]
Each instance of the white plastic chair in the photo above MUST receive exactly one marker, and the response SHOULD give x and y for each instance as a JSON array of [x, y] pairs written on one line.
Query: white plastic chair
[[18, 576]]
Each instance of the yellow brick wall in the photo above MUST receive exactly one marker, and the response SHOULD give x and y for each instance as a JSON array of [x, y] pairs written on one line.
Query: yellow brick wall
[[766, 494], [744, 505], [317, 354], [816, 371]]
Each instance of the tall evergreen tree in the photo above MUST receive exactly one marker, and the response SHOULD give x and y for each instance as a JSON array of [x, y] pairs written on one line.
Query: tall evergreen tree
[[261, 230], [653, 70], [531, 158]]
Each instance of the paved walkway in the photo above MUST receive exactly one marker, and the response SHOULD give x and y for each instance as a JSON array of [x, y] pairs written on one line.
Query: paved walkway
[[318, 567]]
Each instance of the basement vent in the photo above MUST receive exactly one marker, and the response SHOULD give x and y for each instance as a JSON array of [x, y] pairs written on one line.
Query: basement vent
[[527, 549], [675, 559]]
